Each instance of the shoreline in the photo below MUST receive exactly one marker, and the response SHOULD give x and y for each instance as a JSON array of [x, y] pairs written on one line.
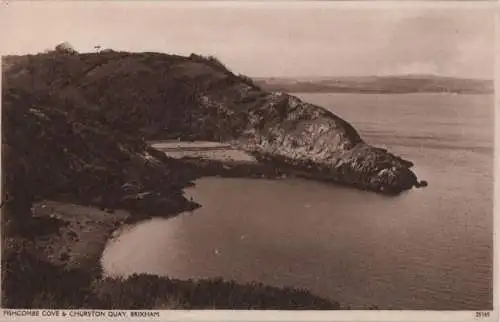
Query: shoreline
[[69, 243], [68, 266]]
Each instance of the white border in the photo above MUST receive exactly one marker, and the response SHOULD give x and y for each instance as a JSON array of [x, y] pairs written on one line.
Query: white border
[[269, 315], [228, 315], [295, 4]]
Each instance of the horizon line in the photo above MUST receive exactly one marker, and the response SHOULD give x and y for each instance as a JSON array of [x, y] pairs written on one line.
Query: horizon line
[[428, 75]]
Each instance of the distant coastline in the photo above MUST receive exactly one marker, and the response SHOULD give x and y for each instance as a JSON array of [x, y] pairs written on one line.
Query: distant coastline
[[397, 84]]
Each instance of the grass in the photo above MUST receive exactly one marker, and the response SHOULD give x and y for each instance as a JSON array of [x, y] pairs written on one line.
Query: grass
[[163, 292], [31, 283]]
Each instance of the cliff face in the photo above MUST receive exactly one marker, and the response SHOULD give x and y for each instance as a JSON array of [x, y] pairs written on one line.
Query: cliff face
[[318, 144], [158, 96]]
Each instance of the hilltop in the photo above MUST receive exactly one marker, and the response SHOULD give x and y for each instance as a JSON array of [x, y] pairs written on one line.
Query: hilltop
[[378, 84], [157, 96]]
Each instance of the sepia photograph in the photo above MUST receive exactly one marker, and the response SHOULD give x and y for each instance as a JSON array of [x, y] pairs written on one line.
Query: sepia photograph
[[247, 155]]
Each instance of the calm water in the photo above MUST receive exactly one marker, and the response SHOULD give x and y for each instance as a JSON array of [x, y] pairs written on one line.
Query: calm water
[[427, 249]]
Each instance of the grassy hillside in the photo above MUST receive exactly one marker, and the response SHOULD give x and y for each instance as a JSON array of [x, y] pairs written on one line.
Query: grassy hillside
[[148, 94], [54, 149]]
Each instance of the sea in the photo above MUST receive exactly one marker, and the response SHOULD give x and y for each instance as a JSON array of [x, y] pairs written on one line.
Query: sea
[[426, 249]]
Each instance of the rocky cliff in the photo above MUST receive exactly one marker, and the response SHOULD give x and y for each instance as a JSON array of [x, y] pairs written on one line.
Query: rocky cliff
[[157, 96]]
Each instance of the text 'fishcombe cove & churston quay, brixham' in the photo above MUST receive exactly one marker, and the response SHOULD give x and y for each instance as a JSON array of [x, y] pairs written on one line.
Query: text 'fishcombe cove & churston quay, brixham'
[[81, 313]]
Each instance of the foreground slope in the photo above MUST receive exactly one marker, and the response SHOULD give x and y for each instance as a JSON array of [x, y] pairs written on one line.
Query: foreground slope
[[158, 96]]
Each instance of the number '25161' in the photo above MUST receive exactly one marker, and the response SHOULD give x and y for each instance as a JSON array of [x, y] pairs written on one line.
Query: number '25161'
[[482, 315]]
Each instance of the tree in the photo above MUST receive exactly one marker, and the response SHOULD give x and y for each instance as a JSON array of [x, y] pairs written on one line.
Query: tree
[[65, 47]]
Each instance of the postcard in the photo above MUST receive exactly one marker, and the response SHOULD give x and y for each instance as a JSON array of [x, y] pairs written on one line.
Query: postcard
[[248, 160]]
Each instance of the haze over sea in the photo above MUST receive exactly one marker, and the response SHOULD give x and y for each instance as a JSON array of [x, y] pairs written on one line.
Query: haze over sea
[[428, 248]]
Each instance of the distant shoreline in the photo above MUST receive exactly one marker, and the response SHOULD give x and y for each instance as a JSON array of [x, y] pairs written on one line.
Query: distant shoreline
[[377, 84], [385, 93]]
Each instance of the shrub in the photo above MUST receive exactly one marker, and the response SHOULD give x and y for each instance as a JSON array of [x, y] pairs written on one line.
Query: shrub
[[248, 80], [65, 47], [212, 60]]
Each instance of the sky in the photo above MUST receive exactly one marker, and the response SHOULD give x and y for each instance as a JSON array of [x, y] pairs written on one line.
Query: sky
[[269, 40]]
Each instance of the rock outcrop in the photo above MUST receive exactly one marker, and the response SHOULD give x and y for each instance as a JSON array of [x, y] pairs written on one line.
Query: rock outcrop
[[158, 96], [318, 144]]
